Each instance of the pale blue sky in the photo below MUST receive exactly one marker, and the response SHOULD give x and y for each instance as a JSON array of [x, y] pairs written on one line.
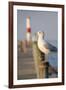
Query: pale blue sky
[[46, 21]]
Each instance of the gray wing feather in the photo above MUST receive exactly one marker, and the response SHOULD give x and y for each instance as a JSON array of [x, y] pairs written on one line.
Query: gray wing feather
[[50, 47]]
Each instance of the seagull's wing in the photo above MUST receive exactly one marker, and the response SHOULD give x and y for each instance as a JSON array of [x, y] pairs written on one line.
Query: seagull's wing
[[50, 47], [46, 50], [46, 46], [43, 49]]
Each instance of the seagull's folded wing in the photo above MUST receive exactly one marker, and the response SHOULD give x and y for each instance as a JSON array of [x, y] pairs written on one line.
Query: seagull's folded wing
[[44, 49], [50, 47]]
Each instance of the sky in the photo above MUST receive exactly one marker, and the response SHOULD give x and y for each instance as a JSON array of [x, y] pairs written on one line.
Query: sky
[[46, 21]]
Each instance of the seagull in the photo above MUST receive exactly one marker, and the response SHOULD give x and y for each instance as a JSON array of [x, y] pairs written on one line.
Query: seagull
[[41, 43]]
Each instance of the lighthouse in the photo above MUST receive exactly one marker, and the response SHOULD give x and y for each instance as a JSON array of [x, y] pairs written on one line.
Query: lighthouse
[[28, 32]]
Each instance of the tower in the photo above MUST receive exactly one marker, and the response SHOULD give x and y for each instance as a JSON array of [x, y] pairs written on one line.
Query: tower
[[28, 33]]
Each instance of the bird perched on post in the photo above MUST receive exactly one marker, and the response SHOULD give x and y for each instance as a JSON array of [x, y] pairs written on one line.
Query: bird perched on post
[[41, 43]]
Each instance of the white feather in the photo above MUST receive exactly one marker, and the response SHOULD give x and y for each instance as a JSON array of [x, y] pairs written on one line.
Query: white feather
[[41, 43]]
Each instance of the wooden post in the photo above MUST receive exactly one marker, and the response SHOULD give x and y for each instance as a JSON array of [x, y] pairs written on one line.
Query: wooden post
[[41, 65], [24, 46]]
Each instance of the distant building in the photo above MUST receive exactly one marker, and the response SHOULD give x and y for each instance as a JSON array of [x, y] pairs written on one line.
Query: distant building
[[28, 32]]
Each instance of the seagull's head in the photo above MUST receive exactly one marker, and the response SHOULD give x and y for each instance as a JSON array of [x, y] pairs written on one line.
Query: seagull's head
[[40, 34]]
